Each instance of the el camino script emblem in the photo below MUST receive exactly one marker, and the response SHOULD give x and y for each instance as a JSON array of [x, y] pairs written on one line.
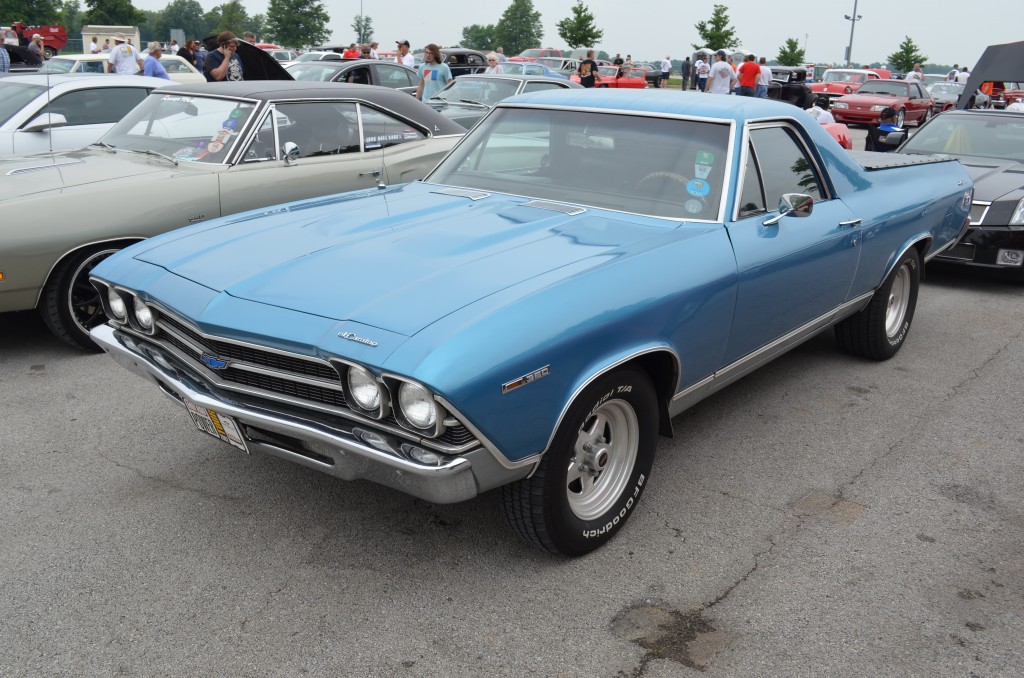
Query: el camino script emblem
[[213, 362], [353, 337], [526, 379]]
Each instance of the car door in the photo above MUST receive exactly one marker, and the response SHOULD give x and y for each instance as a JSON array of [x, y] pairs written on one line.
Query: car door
[[394, 77], [331, 158], [920, 101], [89, 112], [795, 270], [408, 152]]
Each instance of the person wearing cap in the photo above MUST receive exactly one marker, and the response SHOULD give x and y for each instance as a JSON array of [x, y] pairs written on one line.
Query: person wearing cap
[[434, 73], [877, 133], [721, 78], [222, 63], [403, 57], [35, 47], [152, 66], [124, 59]]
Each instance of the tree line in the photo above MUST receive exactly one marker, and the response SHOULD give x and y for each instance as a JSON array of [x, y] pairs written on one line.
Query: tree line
[[300, 23]]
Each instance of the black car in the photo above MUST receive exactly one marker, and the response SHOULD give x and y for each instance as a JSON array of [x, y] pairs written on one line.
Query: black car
[[467, 99], [358, 71], [790, 84], [653, 74], [463, 61], [990, 145]]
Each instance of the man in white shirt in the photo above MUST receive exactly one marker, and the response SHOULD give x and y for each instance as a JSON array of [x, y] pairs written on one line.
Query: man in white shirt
[[722, 78], [761, 92], [666, 70], [963, 76], [916, 74], [701, 68], [94, 47], [124, 59], [404, 57]]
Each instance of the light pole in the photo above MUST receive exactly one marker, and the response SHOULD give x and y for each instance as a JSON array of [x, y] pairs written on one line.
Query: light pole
[[853, 24]]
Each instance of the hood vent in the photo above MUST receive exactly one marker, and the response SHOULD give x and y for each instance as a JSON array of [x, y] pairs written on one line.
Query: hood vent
[[571, 210], [463, 193], [40, 168]]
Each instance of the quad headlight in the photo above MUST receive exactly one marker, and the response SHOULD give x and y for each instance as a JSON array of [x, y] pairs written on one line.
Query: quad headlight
[[364, 388], [143, 315], [417, 405], [116, 304]]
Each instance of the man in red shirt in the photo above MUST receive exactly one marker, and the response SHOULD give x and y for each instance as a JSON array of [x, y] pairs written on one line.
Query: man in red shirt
[[351, 53], [748, 72]]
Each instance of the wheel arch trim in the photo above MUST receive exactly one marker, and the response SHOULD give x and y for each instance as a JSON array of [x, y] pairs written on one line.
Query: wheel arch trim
[[126, 240], [608, 366]]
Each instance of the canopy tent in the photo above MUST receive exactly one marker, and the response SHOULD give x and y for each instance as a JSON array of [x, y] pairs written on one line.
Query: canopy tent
[[997, 62]]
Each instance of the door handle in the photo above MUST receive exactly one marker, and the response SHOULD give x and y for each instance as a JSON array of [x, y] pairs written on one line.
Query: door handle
[[851, 223], [374, 173]]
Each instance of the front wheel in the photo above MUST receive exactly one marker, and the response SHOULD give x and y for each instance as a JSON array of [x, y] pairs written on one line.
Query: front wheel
[[593, 474], [70, 305], [878, 331]]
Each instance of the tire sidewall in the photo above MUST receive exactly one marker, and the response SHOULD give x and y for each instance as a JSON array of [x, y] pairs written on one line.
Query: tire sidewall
[[573, 535], [910, 260]]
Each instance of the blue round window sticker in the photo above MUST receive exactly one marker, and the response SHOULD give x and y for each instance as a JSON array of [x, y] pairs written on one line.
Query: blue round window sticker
[[698, 188]]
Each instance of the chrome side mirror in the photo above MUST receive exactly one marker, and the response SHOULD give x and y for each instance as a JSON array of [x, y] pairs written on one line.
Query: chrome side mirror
[[291, 152], [792, 205], [46, 121]]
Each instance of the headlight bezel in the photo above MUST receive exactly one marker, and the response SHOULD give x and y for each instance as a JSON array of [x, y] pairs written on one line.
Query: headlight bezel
[[345, 369], [1017, 218], [439, 413], [140, 312], [113, 294]]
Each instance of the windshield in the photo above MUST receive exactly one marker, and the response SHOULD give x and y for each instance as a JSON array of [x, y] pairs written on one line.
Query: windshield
[[841, 76], [655, 166], [56, 65], [971, 134], [890, 87], [185, 127], [14, 96], [550, 62], [488, 91], [531, 53], [323, 71], [945, 89]]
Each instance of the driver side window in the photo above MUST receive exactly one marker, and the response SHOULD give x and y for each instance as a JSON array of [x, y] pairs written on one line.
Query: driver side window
[[784, 164]]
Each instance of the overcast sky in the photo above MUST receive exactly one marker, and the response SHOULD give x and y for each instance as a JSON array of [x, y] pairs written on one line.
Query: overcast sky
[[946, 32]]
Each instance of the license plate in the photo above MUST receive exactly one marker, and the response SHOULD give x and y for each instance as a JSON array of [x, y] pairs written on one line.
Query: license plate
[[217, 425]]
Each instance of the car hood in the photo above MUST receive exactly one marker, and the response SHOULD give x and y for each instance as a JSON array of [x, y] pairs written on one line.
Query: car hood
[[834, 87], [398, 261], [867, 100], [256, 64], [993, 178], [29, 174]]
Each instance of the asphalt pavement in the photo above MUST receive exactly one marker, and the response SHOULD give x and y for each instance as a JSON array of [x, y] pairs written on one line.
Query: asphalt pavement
[[825, 516]]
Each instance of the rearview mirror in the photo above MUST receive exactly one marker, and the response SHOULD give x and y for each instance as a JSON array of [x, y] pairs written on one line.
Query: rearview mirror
[[44, 122], [291, 152], [792, 205]]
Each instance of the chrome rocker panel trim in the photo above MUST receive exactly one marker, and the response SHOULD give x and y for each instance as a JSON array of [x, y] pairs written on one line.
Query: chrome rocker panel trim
[[344, 456]]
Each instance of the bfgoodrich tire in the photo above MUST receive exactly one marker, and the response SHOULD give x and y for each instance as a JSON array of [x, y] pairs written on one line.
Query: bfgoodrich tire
[[880, 329], [70, 305], [591, 478]]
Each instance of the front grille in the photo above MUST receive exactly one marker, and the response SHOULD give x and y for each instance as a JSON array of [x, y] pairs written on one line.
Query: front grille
[[249, 367]]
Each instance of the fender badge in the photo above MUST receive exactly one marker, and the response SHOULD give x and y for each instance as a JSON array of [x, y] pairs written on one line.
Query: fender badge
[[213, 362], [525, 379], [362, 340]]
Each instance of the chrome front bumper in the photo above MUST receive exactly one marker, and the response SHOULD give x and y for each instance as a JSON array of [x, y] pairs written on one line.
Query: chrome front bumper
[[335, 450]]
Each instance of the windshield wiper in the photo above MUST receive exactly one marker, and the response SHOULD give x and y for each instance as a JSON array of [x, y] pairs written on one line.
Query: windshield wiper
[[105, 146], [438, 100], [168, 158], [470, 101]]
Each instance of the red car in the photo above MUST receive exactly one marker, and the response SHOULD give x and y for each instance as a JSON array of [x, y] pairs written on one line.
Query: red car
[[532, 55], [837, 82], [910, 100], [634, 78]]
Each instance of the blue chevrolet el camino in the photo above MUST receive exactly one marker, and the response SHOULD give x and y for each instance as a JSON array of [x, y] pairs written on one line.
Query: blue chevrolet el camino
[[580, 268]]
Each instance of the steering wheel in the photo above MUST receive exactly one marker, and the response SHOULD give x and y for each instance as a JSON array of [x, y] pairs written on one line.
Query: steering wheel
[[663, 176]]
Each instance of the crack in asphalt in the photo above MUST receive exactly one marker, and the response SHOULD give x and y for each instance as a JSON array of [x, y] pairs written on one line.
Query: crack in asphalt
[[169, 483]]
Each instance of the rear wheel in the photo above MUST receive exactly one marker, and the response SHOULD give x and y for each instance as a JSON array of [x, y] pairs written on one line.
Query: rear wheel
[[591, 478], [901, 117], [71, 305], [49, 52], [927, 115], [880, 329]]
